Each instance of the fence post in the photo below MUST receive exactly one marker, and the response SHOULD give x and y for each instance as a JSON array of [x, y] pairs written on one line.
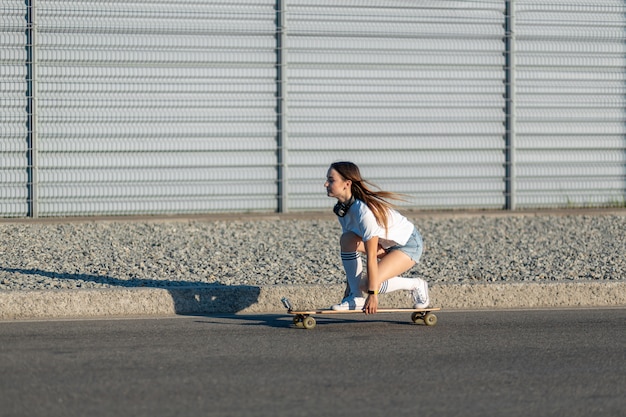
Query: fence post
[[281, 105], [31, 93], [509, 40], [510, 117]]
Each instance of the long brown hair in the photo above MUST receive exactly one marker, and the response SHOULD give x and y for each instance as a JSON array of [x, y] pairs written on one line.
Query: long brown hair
[[376, 200]]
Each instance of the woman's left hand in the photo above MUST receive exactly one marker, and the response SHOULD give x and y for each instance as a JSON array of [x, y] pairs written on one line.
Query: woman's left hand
[[371, 304]]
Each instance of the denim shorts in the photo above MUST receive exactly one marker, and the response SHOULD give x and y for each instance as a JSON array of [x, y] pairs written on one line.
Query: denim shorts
[[413, 247]]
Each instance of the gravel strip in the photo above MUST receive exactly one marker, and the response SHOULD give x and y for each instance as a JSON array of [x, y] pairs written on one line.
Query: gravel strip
[[273, 250]]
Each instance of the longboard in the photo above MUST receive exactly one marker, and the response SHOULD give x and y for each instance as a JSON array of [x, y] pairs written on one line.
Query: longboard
[[304, 318]]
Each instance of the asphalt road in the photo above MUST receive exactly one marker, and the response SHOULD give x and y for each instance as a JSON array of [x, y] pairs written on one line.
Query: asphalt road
[[496, 363]]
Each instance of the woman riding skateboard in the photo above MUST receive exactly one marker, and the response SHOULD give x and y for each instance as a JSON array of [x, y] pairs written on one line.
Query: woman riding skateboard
[[371, 225]]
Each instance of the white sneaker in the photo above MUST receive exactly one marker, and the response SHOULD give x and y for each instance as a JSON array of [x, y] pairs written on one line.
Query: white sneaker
[[350, 303], [420, 294]]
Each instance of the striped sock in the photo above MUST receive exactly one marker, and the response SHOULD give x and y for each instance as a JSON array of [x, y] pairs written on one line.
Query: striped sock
[[398, 283], [354, 268]]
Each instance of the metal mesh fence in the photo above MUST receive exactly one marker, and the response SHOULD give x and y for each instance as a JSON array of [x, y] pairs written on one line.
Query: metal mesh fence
[[117, 108]]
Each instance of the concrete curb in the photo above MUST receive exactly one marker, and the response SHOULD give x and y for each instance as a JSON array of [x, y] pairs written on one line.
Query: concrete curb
[[24, 305]]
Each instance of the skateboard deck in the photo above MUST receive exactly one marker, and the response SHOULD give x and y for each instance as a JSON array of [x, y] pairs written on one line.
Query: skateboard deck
[[304, 318]]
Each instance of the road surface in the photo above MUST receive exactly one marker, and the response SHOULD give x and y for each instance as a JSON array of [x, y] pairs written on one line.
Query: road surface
[[472, 363]]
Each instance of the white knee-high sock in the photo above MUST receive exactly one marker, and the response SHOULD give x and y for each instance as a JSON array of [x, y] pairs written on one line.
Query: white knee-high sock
[[354, 268], [398, 283]]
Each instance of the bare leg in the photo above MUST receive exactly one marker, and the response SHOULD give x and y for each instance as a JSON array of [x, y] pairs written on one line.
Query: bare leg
[[391, 266]]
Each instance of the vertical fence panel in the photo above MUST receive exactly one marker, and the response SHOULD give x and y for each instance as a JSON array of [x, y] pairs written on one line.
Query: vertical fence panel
[[410, 91], [156, 106], [13, 110], [571, 144]]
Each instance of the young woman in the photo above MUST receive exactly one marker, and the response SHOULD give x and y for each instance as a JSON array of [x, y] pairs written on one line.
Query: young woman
[[370, 225]]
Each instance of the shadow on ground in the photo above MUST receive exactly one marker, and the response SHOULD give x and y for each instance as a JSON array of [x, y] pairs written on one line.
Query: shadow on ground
[[188, 297]]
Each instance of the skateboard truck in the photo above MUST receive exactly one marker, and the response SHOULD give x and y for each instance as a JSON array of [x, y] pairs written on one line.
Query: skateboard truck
[[287, 303]]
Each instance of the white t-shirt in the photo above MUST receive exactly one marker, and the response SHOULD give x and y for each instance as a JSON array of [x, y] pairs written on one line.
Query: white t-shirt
[[361, 221]]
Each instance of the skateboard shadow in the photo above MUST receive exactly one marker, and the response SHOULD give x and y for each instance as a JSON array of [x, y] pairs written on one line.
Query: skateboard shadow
[[266, 320], [190, 298], [332, 323], [273, 320]]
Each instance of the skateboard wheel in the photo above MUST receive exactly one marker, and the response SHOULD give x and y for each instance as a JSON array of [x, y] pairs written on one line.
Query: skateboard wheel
[[430, 319], [416, 316], [298, 320], [308, 322]]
